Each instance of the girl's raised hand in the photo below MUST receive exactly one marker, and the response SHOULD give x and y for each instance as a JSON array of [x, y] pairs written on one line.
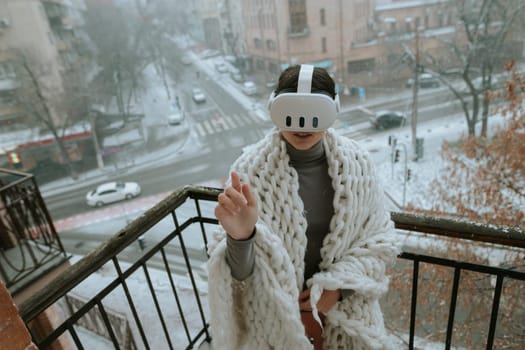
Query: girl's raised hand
[[236, 209]]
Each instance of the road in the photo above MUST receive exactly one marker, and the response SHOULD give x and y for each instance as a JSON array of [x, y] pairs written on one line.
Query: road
[[215, 132]]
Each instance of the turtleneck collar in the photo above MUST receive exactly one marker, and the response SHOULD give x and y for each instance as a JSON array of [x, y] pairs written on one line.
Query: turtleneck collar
[[305, 157]]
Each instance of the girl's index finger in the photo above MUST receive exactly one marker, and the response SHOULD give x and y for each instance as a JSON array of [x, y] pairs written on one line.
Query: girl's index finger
[[236, 181]]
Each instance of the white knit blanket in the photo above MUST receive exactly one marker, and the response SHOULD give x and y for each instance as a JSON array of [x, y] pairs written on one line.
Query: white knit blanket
[[262, 311]]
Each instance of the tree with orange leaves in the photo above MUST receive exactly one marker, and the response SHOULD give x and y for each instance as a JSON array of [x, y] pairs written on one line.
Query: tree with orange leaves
[[484, 179]]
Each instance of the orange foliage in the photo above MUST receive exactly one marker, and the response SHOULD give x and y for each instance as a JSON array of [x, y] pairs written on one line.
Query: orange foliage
[[485, 177]]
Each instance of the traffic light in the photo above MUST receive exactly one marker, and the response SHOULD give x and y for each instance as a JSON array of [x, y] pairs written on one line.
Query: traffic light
[[408, 174], [15, 160], [396, 156]]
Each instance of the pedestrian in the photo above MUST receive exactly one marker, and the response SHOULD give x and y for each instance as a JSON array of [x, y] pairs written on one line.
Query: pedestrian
[[304, 238]]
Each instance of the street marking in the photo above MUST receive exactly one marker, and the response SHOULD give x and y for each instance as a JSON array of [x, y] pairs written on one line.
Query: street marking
[[240, 120], [227, 121], [208, 126], [201, 131]]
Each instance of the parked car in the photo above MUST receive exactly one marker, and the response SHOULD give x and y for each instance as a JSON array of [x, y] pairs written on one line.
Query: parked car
[[236, 77], [388, 119], [186, 59], [209, 53], [112, 192], [177, 113], [198, 96], [249, 88], [271, 84], [497, 81], [425, 80], [221, 67]]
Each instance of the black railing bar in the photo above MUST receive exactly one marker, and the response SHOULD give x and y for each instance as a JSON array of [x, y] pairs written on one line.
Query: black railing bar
[[75, 337], [113, 285], [459, 228], [413, 303], [49, 220], [203, 192], [192, 278], [456, 228], [24, 177], [91, 262], [57, 332], [491, 270], [203, 231], [174, 289], [494, 312], [46, 271], [157, 305], [25, 243], [452, 309], [107, 323], [503, 235], [197, 337], [130, 302]]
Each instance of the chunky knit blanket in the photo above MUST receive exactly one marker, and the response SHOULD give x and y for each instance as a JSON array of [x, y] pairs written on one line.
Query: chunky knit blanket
[[262, 311]]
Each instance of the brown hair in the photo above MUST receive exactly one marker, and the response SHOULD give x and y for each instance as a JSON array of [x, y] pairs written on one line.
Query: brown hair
[[321, 81]]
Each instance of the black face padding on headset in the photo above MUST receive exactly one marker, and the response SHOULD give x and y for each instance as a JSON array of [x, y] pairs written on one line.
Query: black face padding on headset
[[303, 110]]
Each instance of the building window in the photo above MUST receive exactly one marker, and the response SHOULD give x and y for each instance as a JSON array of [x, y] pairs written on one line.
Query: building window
[[257, 43], [323, 44], [359, 66], [418, 22], [270, 44], [426, 21], [298, 23], [322, 16]]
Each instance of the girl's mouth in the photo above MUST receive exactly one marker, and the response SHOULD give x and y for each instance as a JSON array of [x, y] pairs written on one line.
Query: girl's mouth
[[302, 134]]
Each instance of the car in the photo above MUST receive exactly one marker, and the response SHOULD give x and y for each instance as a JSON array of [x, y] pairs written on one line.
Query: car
[[198, 96], [388, 119], [112, 192], [221, 67], [177, 113], [425, 80], [186, 59], [236, 77], [271, 84], [249, 88], [497, 81], [208, 53]]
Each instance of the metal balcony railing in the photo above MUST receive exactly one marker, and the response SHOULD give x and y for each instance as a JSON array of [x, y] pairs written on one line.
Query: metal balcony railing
[[153, 277], [29, 244]]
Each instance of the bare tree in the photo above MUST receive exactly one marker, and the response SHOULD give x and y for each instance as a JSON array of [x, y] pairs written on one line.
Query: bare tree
[[483, 44], [119, 54], [35, 100]]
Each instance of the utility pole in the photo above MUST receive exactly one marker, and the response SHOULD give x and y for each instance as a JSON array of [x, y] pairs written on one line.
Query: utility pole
[[415, 89]]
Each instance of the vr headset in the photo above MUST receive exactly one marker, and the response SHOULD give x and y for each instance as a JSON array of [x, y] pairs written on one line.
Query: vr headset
[[303, 110]]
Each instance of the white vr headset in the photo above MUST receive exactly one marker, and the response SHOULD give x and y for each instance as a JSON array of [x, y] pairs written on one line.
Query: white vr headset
[[303, 110]]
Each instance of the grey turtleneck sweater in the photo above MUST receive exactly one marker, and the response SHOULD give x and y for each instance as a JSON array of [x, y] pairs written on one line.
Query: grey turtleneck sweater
[[317, 194]]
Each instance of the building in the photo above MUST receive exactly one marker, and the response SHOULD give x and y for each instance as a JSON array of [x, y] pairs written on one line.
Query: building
[[354, 48], [40, 44]]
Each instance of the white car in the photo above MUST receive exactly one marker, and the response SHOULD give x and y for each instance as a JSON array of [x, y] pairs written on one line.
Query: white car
[[249, 88], [112, 192], [221, 67], [198, 96], [177, 113]]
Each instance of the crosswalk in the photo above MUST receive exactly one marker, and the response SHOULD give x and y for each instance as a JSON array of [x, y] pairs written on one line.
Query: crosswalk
[[214, 124], [217, 124]]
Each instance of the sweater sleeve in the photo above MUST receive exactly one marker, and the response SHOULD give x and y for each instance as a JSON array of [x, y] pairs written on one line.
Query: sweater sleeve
[[240, 256]]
